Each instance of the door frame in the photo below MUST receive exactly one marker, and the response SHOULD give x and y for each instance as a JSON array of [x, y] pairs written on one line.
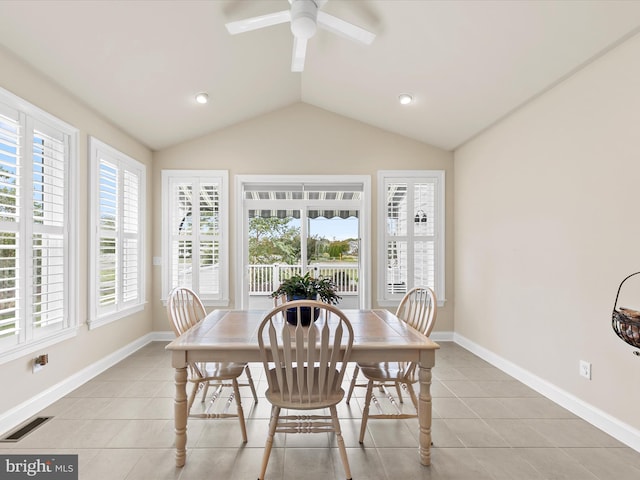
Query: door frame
[[242, 227]]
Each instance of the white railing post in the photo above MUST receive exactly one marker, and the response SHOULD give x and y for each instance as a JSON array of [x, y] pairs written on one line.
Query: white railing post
[[275, 276]]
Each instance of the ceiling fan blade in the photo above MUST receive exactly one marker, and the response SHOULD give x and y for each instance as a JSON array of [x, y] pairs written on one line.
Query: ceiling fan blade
[[299, 52], [346, 29], [254, 23]]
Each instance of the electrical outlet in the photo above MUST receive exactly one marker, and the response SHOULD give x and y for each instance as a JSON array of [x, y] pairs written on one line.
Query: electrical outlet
[[585, 369]]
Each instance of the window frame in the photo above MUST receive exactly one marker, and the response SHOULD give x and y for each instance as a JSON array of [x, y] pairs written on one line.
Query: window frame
[[31, 118], [99, 152], [437, 177], [364, 206], [221, 177]]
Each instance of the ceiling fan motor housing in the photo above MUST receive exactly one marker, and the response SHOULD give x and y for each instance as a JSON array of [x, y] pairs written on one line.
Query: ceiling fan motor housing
[[304, 14]]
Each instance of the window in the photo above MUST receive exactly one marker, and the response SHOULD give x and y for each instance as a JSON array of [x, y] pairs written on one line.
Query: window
[[117, 279], [299, 223], [38, 158], [195, 230], [411, 205]]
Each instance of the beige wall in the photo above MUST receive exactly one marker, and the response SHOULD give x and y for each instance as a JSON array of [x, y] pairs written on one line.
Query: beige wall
[[546, 221], [71, 356], [302, 139]]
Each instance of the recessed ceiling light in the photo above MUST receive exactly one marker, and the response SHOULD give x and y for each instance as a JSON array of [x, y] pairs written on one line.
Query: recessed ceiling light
[[405, 98], [202, 97]]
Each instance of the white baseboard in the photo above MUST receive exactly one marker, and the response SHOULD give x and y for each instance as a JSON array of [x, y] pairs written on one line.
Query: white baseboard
[[14, 417], [441, 337], [163, 336], [607, 423]]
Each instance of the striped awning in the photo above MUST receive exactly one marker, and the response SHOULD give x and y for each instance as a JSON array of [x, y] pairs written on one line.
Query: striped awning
[[265, 213]]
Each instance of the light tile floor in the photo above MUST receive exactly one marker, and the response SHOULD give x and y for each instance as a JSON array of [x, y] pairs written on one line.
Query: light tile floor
[[486, 425]]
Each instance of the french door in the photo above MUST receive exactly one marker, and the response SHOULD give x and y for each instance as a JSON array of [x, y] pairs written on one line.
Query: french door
[[295, 225]]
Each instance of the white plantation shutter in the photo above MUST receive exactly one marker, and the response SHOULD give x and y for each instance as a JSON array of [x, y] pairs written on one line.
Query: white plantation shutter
[[117, 234], [108, 221], [10, 131], [48, 194], [194, 214], [413, 234], [131, 246], [209, 236], [37, 160], [182, 234]]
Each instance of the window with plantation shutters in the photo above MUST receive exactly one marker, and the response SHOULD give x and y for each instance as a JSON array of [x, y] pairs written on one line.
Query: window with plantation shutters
[[194, 233], [411, 205], [117, 234], [37, 162]]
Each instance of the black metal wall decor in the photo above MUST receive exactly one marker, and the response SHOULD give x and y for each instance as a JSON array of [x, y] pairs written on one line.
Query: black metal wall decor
[[626, 322]]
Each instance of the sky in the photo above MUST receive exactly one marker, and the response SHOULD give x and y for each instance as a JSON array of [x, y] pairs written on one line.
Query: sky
[[335, 228]]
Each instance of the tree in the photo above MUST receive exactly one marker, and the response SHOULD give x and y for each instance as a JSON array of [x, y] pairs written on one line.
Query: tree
[[338, 248], [273, 240]]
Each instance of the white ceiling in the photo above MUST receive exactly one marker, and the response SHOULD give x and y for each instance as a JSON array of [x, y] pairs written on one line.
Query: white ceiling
[[468, 63]]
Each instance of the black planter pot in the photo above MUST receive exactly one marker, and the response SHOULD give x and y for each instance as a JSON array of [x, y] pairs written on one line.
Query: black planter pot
[[305, 313]]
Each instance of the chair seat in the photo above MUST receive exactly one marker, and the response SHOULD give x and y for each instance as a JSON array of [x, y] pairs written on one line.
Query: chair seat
[[309, 401], [386, 371], [221, 370]]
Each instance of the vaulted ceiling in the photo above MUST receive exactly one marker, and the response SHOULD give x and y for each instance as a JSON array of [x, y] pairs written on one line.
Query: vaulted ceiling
[[467, 63]]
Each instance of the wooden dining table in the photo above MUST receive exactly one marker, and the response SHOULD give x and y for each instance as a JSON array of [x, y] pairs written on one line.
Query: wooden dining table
[[231, 336]]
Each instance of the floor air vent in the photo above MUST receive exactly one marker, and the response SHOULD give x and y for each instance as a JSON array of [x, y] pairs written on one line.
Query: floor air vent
[[24, 430]]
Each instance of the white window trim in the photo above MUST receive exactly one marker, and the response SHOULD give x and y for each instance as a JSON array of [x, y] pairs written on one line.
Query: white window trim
[[439, 176], [120, 310], [221, 176], [242, 224], [72, 272]]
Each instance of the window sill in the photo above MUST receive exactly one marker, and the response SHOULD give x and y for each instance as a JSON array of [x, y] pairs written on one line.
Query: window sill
[[23, 350]]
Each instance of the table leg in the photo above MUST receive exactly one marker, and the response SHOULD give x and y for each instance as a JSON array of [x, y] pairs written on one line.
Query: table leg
[[180, 415], [424, 414]]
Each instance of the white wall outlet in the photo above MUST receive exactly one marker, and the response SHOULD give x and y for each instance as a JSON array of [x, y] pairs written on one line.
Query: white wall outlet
[[585, 369]]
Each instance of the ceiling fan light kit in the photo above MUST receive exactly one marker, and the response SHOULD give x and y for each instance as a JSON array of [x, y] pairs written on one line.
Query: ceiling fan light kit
[[304, 17]]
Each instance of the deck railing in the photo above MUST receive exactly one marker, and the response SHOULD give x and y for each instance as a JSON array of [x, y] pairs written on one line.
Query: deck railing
[[264, 279]]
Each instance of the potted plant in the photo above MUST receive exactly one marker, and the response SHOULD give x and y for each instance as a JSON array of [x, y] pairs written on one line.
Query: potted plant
[[306, 287]]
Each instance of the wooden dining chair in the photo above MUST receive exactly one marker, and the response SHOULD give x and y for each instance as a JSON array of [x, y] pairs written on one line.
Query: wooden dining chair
[[304, 367], [417, 309], [185, 309], [279, 300]]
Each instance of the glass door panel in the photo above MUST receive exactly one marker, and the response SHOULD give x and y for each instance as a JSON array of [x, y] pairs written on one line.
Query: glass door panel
[[274, 252], [333, 247]]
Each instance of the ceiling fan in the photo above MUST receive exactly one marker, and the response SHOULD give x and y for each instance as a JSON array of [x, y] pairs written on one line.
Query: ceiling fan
[[305, 17]]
